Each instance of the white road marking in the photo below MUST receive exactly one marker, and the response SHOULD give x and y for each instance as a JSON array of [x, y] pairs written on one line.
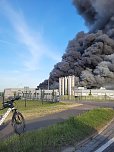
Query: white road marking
[[103, 147]]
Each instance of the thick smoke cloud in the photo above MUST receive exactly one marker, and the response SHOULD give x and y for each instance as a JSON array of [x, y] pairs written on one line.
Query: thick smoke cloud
[[97, 13], [89, 56]]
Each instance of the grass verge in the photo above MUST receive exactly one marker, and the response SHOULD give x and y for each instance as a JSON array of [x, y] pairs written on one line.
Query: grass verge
[[53, 138], [35, 109]]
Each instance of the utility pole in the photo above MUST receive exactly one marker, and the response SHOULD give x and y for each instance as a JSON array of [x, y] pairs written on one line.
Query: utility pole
[[25, 90], [3, 96], [25, 97], [48, 84]]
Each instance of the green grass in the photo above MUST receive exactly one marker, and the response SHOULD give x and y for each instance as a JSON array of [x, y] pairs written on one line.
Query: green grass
[[35, 109], [62, 134]]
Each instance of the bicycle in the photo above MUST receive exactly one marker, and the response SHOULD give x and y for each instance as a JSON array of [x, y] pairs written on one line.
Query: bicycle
[[18, 121]]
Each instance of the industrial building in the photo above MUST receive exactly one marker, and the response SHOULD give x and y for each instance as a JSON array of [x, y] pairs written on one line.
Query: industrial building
[[94, 92], [67, 86], [30, 93]]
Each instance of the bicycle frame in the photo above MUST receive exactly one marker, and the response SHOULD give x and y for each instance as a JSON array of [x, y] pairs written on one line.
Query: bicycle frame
[[5, 115], [18, 122]]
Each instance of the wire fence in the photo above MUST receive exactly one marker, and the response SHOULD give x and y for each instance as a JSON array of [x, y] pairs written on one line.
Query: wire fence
[[86, 98]]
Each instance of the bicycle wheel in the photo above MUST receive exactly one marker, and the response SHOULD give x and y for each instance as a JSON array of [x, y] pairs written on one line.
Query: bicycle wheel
[[18, 122]]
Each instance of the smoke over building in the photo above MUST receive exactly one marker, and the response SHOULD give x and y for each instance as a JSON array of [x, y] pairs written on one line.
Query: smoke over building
[[89, 56]]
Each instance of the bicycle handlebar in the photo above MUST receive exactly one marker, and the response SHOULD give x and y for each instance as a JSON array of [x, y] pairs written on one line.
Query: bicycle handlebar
[[9, 104]]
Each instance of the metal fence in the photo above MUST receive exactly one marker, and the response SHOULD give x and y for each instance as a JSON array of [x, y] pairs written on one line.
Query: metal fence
[[86, 98]]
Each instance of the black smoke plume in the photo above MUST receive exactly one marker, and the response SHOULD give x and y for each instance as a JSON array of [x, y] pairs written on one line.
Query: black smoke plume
[[89, 56]]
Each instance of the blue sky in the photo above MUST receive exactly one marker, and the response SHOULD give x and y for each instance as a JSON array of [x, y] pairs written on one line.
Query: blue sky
[[33, 37]]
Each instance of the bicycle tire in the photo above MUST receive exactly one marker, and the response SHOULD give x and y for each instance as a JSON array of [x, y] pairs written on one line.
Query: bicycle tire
[[18, 123]]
